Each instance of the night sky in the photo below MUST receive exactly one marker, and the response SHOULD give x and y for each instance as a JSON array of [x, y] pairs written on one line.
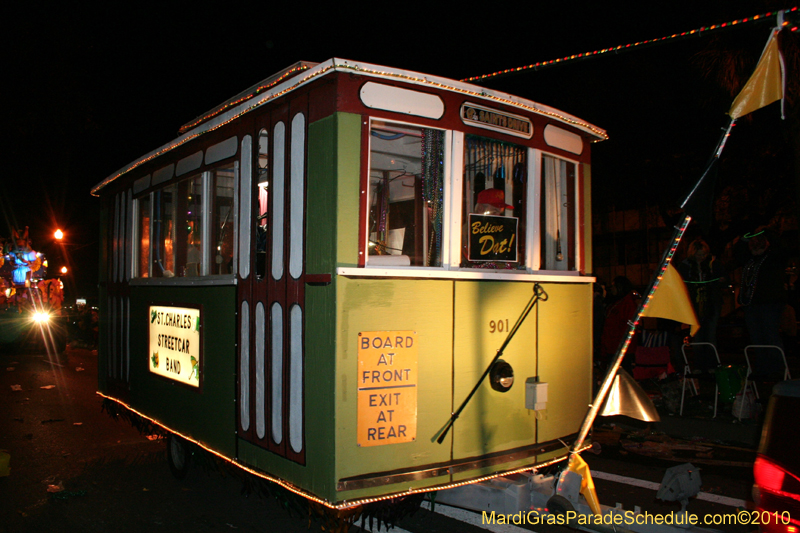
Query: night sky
[[87, 88]]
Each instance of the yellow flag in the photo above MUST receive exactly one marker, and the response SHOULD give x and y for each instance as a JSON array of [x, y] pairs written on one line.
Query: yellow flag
[[579, 466], [671, 300], [765, 84]]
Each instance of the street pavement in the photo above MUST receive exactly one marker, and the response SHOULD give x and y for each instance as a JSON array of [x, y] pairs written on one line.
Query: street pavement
[[107, 477]]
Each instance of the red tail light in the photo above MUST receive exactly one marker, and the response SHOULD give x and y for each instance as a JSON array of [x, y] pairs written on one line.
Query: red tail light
[[778, 495], [772, 478], [767, 475]]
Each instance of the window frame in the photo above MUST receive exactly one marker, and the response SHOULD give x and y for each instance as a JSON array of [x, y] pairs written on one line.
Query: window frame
[[446, 199], [524, 258], [536, 258], [206, 275], [454, 145]]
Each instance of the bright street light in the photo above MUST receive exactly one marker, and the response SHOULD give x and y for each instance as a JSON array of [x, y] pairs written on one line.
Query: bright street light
[[59, 234]]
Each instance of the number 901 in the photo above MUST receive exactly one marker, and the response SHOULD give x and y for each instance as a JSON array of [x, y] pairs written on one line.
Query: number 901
[[498, 326]]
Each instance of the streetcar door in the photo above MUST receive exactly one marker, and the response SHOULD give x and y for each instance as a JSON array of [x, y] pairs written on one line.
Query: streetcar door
[[271, 374]]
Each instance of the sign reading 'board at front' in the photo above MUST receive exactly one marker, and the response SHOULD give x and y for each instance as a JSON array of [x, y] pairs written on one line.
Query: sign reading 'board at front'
[[175, 343], [387, 387]]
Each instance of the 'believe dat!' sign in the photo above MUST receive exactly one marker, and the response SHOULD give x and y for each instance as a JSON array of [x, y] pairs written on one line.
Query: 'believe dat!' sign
[[492, 238]]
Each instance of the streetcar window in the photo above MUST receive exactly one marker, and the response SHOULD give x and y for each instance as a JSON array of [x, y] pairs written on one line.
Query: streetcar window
[[191, 233], [406, 195], [177, 230], [262, 183], [558, 213], [494, 204], [223, 219], [178, 226], [143, 244], [163, 252]]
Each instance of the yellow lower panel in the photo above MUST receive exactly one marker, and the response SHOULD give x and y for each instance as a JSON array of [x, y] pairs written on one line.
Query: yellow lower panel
[[565, 358], [484, 313], [423, 310]]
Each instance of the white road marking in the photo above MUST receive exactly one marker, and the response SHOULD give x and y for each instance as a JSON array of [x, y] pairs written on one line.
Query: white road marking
[[716, 498], [395, 529], [472, 518]]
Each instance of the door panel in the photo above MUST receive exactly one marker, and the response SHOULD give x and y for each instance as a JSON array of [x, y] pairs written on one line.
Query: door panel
[[275, 380], [492, 421]]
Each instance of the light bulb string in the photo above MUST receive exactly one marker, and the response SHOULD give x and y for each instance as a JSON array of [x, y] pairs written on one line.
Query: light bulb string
[[616, 50]]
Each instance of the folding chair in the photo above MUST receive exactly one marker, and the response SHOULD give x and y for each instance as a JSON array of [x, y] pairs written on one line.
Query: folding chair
[[688, 376], [748, 379]]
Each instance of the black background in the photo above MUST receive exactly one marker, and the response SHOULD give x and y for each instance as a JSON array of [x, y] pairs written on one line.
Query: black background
[[89, 87]]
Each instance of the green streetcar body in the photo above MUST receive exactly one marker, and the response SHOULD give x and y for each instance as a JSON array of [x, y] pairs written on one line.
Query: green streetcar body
[[282, 383]]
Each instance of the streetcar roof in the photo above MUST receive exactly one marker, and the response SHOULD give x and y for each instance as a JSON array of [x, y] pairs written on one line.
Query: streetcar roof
[[303, 72]]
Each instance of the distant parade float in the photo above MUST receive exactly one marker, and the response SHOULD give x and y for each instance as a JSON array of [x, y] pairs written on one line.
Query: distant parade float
[[28, 301], [313, 277]]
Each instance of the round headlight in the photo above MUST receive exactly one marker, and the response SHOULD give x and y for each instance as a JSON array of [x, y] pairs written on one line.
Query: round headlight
[[501, 376]]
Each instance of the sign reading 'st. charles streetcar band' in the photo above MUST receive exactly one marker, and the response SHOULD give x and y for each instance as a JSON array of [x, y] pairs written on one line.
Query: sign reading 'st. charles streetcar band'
[[492, 119], [175, 343], [387, 387], [492, 238]]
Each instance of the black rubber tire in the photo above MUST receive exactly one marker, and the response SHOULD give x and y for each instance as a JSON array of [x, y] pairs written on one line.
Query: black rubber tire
[[179, 456], [559, 505]]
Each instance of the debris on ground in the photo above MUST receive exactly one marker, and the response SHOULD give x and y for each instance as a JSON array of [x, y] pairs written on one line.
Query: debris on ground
[[55, 488], [5, 461], [47, 387], [658, 445], [66, 494], [17, 388]]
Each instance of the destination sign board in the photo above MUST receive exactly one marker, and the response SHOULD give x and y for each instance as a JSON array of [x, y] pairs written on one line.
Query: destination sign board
[[492, 119], [174, 344]]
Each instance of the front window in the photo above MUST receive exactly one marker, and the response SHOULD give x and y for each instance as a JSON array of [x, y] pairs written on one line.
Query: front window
[[503, 207], [494, 204], [558, 214], [406, 195]]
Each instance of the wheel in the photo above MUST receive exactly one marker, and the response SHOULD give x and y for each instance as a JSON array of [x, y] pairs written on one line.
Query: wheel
[[179, 456], [559, 505]]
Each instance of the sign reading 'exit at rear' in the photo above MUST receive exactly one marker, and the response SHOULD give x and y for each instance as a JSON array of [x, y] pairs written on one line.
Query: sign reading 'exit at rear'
[[387, 387]]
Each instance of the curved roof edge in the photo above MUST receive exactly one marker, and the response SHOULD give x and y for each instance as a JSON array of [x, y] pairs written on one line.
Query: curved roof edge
[[366, 69]]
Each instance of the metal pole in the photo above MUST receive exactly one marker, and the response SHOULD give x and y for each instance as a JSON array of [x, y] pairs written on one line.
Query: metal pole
[[666, 258]]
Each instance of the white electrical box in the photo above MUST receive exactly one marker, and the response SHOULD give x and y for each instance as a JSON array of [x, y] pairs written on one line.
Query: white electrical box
[[535, 394]]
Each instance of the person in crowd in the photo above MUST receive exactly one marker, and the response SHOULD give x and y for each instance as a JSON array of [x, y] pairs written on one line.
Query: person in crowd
[[703, 276], [763, 295], [598, 316], [620, 309]]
